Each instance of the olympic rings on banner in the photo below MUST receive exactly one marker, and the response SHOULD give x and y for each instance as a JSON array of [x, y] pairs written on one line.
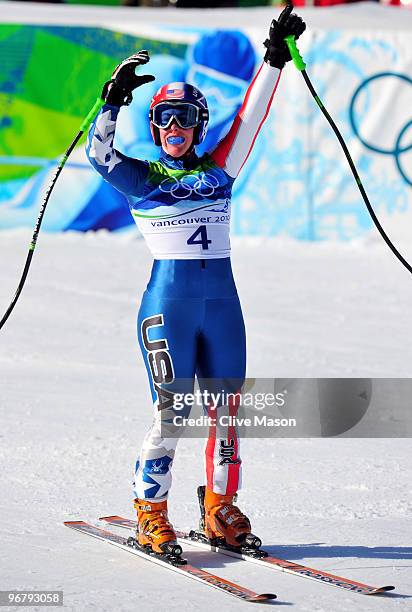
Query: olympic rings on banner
[[400, 146]]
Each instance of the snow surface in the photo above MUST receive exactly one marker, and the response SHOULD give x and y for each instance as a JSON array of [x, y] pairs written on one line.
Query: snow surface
[[75, 405]]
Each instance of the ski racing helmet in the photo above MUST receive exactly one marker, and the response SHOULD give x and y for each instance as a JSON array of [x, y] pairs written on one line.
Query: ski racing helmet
[[181, 102]]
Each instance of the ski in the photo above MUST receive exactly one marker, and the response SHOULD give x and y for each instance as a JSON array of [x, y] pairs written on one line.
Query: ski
[[171, 562], [261, 557]]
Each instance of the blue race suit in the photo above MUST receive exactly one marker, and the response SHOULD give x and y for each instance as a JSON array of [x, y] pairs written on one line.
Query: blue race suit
[[190, 321]]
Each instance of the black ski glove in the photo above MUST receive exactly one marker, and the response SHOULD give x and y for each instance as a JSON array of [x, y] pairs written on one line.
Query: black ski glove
[[278, 53], [118, 91]]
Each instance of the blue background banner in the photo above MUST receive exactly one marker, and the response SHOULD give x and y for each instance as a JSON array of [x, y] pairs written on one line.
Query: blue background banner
[[296, 181]]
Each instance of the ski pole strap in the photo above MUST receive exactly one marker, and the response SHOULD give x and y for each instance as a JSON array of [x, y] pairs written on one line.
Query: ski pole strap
[[91, 115], [294, 51]]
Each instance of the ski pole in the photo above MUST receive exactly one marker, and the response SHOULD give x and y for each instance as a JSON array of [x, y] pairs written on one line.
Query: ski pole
[[301, 66], [85, 124]]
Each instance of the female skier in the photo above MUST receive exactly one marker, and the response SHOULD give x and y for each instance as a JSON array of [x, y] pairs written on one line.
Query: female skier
[[190, 321]]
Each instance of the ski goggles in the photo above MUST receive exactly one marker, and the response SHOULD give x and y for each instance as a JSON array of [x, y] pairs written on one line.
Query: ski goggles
[[185, 114]]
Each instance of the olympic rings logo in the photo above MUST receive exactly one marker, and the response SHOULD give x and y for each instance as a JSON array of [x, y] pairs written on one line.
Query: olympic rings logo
[[202, 185], [400, 147]]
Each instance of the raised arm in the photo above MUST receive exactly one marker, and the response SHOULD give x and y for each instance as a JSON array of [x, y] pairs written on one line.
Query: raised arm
[[232, 152], [126, 174]]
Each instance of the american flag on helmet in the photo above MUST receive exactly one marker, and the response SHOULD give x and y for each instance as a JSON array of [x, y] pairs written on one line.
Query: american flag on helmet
[[175, 93]]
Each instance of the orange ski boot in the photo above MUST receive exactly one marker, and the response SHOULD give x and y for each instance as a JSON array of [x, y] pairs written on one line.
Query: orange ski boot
[[220, 518], [154, 529]]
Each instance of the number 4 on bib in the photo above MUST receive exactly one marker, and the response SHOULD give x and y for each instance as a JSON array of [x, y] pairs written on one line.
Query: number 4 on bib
[[201, 232]]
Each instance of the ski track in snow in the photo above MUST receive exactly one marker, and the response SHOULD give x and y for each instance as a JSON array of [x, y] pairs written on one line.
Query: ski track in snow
[[75, 406]]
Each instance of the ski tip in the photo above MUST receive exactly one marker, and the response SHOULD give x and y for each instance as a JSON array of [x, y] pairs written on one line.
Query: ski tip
[[73, 523], [113, 517], [261, 598], [380, 590]]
